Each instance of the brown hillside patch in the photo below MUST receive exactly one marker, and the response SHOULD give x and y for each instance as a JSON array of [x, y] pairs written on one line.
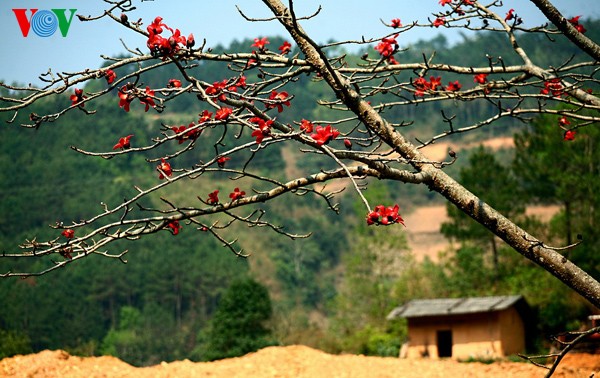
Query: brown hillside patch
[[423, 228], [292, 361]]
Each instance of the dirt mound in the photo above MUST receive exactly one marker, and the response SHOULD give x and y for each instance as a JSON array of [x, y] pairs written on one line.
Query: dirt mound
[[290, 361]]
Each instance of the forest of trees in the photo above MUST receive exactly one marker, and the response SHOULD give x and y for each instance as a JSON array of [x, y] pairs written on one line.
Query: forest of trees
[[178, 295]]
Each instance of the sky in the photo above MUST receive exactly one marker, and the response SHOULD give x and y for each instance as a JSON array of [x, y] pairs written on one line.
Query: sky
[[218, 21]]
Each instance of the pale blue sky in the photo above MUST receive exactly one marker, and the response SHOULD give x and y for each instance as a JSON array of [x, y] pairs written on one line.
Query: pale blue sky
[[23, 59]]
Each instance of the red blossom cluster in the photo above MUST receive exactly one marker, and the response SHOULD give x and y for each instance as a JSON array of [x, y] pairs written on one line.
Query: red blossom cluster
[[453, 86], [260, 43], [385, 216], [396, 23], [222, 160], [440, 21], [264, 128], [324, 135], [306, 126], [123, 143], [285, 48], [68, 233], [127, 93], [387, 48], [213, 198], [110, 76], [554, 87], [174, 226], [422, 85], [236, 194], [569, 135], [77, 98], [575, 22], [223, 114], [218, 88], [148, 100], [166, 47], [164, 169], [563, 123], [279, 99], [204, 116], [174, 83], [511, 15], [193, 131], [192, 134], [480, 78]]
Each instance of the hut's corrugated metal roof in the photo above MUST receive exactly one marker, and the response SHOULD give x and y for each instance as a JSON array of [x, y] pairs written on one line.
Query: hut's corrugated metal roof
[[417, 308]]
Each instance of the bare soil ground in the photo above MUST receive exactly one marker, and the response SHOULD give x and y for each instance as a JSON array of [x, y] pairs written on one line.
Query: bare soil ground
[[291, 361]]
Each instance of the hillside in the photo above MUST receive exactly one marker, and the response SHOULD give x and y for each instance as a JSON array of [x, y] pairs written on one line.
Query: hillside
[[291, 361]]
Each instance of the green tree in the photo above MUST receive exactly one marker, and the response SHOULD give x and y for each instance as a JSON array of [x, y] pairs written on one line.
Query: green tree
[[239, 325], [557, 171], [494, 184], [13, 342]]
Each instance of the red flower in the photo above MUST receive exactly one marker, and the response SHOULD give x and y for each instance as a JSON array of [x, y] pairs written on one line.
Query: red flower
[[285, 48], [480, 78], [260, 43], [554, 87], [281, 98], [213, 198], [174, 83], [421, 85], [164, 169], [204, 116], [435, 82], [324, 135], [348, 144], [444, 2], [264, 128], [241, 81], [387, 47], [569, 135], [385, 216], [236, 194], [148, 101], [190, 41], [392, 60], [177, 38], [68, 233], [396, 23], [110, 76], [306, 126], [178, 130], [174, 226], [509, 15], [563, 121], [222, 160], [156, 27], [192, 134], [223, 113], [123, 143], [440, 21], [575, 22], [77, 98], [453, 86], [125, 98], [252, 61], [217, 89]]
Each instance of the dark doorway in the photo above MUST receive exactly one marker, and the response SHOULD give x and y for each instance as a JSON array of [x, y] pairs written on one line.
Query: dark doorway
[[444, 343]]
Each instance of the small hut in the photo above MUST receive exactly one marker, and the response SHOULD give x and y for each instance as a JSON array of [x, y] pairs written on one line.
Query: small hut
[[464, 328]]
